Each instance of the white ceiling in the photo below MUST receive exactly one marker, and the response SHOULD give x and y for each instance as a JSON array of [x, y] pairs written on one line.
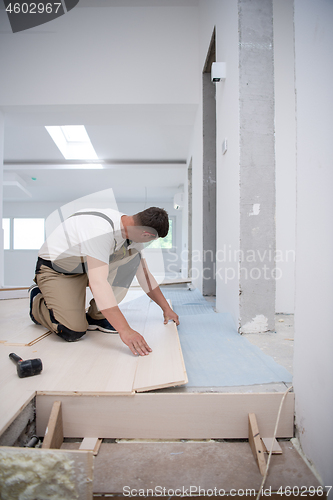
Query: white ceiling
[[143, 150]]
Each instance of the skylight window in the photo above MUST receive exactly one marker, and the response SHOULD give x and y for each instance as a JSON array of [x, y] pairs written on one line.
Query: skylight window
[[75, 133], [73, 142]]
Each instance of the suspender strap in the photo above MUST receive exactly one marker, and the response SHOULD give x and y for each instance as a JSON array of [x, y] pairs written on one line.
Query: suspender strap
[[80, 269], [99, 214]]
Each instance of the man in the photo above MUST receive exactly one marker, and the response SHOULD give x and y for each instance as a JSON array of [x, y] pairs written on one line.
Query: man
[[100, 248]]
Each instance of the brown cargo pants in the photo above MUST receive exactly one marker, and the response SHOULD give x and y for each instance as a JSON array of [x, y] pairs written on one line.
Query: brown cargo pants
[[60, 306]]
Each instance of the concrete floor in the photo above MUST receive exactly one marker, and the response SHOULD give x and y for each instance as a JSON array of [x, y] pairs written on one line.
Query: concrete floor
[[278, 344], [225, 465]]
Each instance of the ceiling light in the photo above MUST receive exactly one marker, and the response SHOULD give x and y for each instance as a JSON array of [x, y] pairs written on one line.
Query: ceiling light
[[73, 142]]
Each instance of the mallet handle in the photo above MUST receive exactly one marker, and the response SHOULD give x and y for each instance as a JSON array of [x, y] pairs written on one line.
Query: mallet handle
[[15, 357]]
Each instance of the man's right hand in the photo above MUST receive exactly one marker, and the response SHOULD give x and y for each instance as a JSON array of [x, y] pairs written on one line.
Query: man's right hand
[[135, 342]]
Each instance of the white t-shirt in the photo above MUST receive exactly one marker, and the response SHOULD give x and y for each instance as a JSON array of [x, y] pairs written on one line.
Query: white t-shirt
[[88, 232]]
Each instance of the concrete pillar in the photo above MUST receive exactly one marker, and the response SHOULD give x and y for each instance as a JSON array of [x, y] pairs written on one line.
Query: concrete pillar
[[209, 186], [257, 166], [2, 132]]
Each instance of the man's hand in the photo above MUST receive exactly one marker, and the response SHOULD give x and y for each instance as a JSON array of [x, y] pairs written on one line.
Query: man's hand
[[169, 314], [135, 342]]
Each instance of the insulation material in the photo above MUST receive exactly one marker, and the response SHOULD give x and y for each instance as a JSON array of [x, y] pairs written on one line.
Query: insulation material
[[34, 474], [215, 354]]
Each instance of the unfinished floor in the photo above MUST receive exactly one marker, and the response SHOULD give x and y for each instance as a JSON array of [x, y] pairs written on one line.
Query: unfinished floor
[[189, 466], [209, 463]]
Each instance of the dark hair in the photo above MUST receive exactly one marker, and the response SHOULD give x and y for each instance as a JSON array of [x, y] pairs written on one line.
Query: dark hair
[[155, 218]]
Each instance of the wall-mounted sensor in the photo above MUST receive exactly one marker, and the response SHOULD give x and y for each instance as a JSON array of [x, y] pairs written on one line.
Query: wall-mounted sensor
[[218, 71], [178, 201]]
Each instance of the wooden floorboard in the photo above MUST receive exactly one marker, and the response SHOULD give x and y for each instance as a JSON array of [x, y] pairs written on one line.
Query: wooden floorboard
[[164, 367], [16, 327], [99, 363]]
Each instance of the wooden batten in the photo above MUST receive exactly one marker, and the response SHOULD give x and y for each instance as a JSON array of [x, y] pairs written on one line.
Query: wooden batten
[[91, 444], [269, 442], [256, 444], [54, 434]]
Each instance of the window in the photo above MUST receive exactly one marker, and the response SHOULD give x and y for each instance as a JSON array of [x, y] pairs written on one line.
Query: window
[[167, 242], [29, 234], [6, 233]]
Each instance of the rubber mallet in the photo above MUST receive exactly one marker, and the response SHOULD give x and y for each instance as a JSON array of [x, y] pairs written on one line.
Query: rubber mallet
[[28, 367]]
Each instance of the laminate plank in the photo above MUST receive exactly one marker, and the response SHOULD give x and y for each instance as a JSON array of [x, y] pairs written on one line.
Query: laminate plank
[[16, 327], [13, 400], [135, 308], [28, 337], [97, 363], [164, 366]]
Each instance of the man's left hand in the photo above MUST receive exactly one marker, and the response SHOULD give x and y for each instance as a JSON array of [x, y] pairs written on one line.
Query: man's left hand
[[170, 315]]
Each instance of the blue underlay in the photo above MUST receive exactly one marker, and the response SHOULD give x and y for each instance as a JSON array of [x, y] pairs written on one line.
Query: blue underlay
[[215, 354]]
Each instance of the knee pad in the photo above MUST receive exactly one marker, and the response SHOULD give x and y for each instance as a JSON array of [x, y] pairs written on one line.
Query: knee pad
[[67, 334], [64, 332]]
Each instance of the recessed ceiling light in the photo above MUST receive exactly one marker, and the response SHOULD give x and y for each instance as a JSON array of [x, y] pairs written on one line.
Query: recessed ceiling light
[[73, 142]]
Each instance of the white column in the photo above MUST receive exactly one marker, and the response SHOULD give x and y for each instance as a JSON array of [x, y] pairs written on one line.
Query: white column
[[313, 367], [2, 132]]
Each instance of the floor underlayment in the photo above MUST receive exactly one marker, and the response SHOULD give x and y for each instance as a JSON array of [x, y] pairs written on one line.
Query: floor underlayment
[[215, 354]]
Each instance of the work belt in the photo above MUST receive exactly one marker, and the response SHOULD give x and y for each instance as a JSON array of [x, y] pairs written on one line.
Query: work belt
[[80, 269]]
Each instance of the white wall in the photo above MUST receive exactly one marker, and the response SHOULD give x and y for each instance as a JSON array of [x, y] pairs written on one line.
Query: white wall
[[110, 54], [2, 131], [224, 15], [227, 165], [313, 366], [285, 153], [20, 264]]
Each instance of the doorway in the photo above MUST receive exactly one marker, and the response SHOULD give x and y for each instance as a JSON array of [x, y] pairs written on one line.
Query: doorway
[[189, 221]]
